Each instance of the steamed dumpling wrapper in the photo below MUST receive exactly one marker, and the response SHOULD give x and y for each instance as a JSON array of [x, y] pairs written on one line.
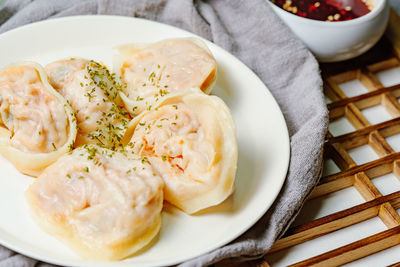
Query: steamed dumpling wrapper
[[190, 140], [151, 71], [37, 126], [103, 204]]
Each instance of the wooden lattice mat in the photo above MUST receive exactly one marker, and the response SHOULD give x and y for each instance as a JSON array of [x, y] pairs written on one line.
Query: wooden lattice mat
[[385, 55]]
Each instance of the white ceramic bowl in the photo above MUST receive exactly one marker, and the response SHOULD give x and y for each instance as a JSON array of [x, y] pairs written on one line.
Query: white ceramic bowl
[[337, 41]]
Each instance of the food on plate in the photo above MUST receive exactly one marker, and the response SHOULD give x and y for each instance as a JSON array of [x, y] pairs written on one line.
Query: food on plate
[[93, 94], [102, 203], [109, 148], [189, 139], [37, 126], [151, 71]]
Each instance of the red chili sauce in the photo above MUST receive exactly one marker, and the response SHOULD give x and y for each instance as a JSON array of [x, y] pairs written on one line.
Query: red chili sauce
[[326, 10]]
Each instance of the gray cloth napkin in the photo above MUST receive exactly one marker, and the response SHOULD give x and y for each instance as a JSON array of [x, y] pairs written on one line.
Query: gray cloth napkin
[[253, 33]]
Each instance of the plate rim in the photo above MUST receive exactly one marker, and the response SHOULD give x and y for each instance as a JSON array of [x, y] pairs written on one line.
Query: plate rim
[[255, 219]]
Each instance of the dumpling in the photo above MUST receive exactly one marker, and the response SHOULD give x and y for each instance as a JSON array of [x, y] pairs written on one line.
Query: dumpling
[[151, 71], [103, 204], [190, 140], [93, 94], [37, 126]]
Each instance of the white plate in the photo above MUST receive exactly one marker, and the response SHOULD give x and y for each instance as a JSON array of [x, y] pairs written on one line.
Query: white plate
[[261, 131]]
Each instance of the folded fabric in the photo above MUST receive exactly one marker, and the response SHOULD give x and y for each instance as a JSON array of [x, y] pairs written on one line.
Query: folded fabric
[[252, 32]]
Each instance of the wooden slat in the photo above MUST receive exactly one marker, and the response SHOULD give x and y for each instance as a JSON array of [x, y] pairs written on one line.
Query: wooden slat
[[344, 179], [396, 168], [343, 77], [373, 169], [354, 115], [332, 94], [369, 97], [329, 225], [341, 157], [379, 144], [366, 188], [369, 80], [384, 65], [395, 265], [355, 250], [325, 188], [391, 104], [335, 221], [337, 108], [360, 137], [388, 215], [336, 91]]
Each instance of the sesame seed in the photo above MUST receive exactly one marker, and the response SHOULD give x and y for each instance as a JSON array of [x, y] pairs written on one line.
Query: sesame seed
[[336, 17]]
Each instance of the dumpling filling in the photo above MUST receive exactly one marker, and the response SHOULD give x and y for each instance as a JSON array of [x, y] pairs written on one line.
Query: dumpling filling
[[35, 118], [37, 125]]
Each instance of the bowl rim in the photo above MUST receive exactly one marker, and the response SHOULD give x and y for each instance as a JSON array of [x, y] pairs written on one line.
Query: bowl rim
[[369, 16]]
